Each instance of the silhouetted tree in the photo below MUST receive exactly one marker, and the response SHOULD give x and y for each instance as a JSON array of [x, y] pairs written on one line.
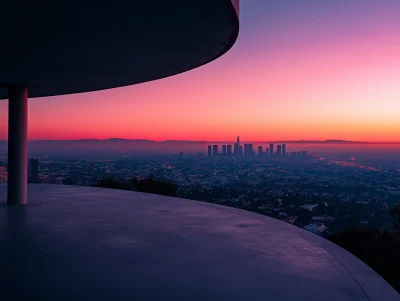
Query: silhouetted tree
[[395, 213], [109, 183], [133, 182], [379, 249], [149, 185]]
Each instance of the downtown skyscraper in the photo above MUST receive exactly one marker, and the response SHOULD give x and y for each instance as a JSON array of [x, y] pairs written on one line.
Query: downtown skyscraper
[[279, 150], [215, 150], [237, 146], [229, 150]]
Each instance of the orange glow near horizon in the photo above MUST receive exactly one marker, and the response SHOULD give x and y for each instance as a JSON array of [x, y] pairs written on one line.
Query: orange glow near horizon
[[300, 76]]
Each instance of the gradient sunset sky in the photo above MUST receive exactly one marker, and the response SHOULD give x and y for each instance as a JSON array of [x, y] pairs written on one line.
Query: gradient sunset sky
[[301, 69]]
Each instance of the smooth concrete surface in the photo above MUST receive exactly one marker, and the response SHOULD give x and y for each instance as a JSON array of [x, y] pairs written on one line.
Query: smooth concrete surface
[[64, 47], [81, 243], [18, 144]]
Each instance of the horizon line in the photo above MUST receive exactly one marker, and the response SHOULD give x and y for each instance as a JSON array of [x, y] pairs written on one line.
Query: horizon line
[[224, 141]]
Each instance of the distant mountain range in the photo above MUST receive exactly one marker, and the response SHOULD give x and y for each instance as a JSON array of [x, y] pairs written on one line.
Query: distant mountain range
[[198, 141], [120, 146], [323, 141]]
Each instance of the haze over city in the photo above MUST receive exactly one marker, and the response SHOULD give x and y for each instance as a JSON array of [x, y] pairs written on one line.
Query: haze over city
[[300, 70]]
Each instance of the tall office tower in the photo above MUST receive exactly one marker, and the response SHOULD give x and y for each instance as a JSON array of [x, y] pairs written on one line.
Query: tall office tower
[[271, 150], [209, 151], [33, 170], [267, 151], [283, 150], [215, 150], [224, 150], [240, 151], [235, 149], [245, 150], [248, 150], [229, 150], [279, 150], [260, 151]]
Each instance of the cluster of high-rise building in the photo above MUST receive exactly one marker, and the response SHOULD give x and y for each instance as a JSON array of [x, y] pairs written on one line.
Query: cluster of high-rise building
[[213, 150], [246, 151]]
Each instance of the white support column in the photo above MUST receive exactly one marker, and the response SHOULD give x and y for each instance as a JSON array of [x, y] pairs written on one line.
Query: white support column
[[17, 144]]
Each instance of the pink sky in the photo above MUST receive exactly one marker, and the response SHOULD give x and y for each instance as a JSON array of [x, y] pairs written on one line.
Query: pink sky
[[327, 71]]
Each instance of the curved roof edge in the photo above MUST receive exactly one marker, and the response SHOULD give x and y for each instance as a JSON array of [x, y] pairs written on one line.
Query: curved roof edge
[[232, 41], [75, 80], [235, 6]]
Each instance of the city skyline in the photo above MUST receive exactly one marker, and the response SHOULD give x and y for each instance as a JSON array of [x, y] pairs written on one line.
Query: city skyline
[[315, 71], [246, 151]]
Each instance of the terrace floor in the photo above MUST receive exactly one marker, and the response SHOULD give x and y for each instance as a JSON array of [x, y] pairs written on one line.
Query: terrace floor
[[83, 243]]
